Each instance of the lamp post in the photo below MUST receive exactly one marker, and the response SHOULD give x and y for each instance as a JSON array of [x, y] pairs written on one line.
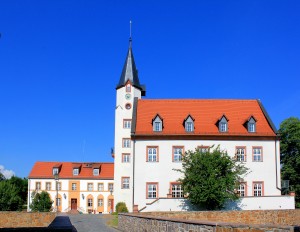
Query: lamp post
[[56, 177]]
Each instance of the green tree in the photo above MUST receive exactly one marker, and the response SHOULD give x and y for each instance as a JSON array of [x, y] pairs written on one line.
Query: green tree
[[2, 177], [290, 154], [121, 207], [41, 202], [210, 178], [21, 186], [9, 198]]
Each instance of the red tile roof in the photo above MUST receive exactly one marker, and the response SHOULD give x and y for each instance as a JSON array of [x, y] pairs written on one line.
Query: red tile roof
[[206, 114], [45, 170]]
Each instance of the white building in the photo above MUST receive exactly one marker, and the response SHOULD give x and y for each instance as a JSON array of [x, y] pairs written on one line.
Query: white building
[[151, 135], [83, 187]]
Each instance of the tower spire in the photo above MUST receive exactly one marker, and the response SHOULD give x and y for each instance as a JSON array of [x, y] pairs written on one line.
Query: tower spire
[[130, 38]]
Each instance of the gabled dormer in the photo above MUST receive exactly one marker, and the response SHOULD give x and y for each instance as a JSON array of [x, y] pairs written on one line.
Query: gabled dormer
[[222, 124], [76, 169], [96, 170], [56, 169], [157, 123], [188, 124], [250, 124]]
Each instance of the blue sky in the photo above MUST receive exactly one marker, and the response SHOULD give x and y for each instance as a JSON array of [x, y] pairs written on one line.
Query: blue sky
[[60, 61]]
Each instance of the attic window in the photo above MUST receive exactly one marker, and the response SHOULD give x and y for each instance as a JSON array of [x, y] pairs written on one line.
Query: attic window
[[189, 124], [223, 124], [96, 171], [75, 171], [251, 125], [157, 123], [55, 171]]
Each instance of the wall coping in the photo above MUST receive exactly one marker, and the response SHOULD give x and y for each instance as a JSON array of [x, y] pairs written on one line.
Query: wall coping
[[208, 223]]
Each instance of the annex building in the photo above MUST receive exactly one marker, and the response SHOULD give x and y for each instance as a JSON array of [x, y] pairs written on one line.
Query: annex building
[[151, 135]]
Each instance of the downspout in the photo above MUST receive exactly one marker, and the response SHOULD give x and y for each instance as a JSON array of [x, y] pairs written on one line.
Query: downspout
[[133, 171], [276, 154]]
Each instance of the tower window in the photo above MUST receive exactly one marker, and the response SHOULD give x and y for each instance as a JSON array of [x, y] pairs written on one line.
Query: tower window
[[128, 88], [128, 106]]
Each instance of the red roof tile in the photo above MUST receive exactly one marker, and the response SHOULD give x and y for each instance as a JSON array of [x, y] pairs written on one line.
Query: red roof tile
[[44, 170], [206, 114]]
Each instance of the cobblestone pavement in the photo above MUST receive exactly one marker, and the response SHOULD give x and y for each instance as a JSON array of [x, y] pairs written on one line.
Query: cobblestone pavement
[[91, 223]]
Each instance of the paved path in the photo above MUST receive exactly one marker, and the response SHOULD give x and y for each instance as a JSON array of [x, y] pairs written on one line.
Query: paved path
[[91, 222]]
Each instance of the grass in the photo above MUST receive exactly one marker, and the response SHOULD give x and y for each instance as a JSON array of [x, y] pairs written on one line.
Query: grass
[[113, 222]]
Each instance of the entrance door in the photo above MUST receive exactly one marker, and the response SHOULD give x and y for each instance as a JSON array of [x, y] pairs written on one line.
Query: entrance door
[[74, 203], [111, 205]]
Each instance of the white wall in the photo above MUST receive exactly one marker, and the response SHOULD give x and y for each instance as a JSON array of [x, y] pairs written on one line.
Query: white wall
[[163, 171]]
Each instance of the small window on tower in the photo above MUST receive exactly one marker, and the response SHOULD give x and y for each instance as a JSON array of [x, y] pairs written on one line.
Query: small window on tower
[[128, 106], [128, 88]]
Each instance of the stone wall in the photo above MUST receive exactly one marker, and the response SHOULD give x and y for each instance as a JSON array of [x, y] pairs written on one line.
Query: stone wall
[[214, 221], [24, 219], [279, 217]]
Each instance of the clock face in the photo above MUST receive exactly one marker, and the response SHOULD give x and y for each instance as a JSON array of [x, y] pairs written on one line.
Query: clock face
[[127, 96]]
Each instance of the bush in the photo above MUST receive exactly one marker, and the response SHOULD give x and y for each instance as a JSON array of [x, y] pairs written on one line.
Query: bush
[[121, 208]]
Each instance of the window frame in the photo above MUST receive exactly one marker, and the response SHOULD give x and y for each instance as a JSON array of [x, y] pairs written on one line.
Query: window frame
[[147, 190], [180, 156], [239, 191], [128, 87], [75, 171], [180, 191], [124, 159], [55, 171], [123, 184], [46, 186], [96, 173], [88, 187], [245, 153], [38, 183], [102, 200], [261, 154], [127, 123], [90, 202], [74, 186], [147, 154], [262, 188], [112, 184], [58, 186], [157, 123], [100, 189], [124, 143]]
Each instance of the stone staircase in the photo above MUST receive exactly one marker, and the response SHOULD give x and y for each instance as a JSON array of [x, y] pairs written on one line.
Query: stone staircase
[[73, 211]]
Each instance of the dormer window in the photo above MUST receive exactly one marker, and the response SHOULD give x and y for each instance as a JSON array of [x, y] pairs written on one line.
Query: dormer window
[[251, 125], [157, 123], [223, 124], [96, 171], [75, 171], [189, 124], [55, 171]]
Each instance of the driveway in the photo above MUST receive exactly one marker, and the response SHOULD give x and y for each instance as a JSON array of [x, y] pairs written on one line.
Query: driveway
[[91, 222]]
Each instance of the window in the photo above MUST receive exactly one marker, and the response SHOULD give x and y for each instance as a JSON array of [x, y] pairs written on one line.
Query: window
[[96, 171], [55, 171], [110, 187], [125, 182], [90, 186], [257, 154], [58, 201], [100, 187], [189, 127], [251, 124], [127, 123], [203, 149], [152, 154], [48, 186], [157, 123], [177, 154], [223, 124], [75, 171], [241, 191], [126, 158], [126, 143], [257, 189], [100, 202], [90, 202], [38, 186], [128, 88], [157, 126], [58, 186], [241, 154], [177, 191], [152, 190], [74, 186]]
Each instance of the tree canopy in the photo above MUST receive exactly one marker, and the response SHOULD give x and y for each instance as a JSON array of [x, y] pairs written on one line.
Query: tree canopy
[[9, 197], [210, 178], [41, 202], [290, 154]]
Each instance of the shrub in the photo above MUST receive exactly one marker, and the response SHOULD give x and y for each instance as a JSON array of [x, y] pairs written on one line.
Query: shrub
[[121, 208]]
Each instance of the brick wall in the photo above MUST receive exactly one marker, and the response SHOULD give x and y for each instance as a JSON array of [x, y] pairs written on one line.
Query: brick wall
[[212, 221], [279, 217], [24, 219]]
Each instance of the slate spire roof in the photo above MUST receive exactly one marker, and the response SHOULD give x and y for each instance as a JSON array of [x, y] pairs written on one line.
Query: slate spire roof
[[130, 72]]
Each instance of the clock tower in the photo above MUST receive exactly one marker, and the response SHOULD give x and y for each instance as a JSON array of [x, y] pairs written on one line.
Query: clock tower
[[128, 91]]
